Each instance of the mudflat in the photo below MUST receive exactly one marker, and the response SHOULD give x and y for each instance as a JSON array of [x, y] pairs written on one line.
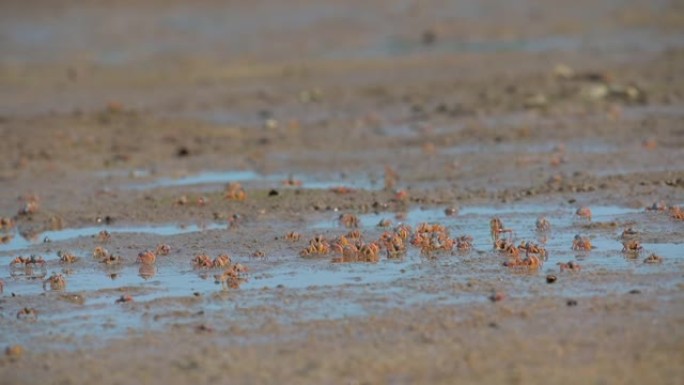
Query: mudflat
[[304, 192]]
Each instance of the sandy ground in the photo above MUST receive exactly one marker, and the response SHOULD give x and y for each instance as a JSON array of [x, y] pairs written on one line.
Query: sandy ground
[[108, 110]]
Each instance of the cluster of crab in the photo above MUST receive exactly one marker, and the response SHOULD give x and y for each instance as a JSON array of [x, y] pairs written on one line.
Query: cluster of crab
[[351, 247], [347, 248], [632, 248], [675, 212], [233, 273], [105, 257], [435, 237], [26, 266], [534, 255]]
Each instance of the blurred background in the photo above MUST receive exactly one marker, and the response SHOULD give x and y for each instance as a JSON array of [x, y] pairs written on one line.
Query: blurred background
[[160, 47], [112, 33]]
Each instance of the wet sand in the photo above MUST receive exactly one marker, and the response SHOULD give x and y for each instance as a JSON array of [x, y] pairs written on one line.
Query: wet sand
[[132, 119]]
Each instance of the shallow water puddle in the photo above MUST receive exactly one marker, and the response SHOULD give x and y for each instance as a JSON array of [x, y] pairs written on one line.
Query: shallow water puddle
[[18, 242], [290, 289], [275, 180]]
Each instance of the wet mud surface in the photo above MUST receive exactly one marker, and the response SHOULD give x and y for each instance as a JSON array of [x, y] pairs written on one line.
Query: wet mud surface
[[398, 113]]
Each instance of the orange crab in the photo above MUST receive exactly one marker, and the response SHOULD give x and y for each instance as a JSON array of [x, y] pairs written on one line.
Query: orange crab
[[533, 248], [507, 247], [496, 228], [349, 220], [202, 201], [292, 182], [233, 276], [27, 314], [292, 236], [234, 191], [104, 236], [66, 257], [56, 282], [581, 243], [631, 246], [100, 252], [395, 246], [570, 266], [124, 299], [6, 238], [202, 261], [147, 258], [543, 224], [404, 231], [111, 259], [222, 260], [182, 200], [317, 246], [163, 249], [584, 212], [677, 213], [530, 261], [342, 190], [464, 243], [653, 258], [31, 205], [28, 261], [6, 223]]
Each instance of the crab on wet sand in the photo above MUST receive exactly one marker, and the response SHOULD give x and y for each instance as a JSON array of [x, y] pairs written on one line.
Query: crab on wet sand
[[317, 246], [234, 191], [222, 260], [146, 258], [631, 246], [202, 261], [163, 249], [581, 243], [653, 258], [56, 282], [584, 212], [349, 220], [530, 261], [570, 266], [27, 314], [6, 223], [292, 236], [31, 261], [233, 276], [124, 299], [100, 252], [542, 224], [497, 228], [66, 257]]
